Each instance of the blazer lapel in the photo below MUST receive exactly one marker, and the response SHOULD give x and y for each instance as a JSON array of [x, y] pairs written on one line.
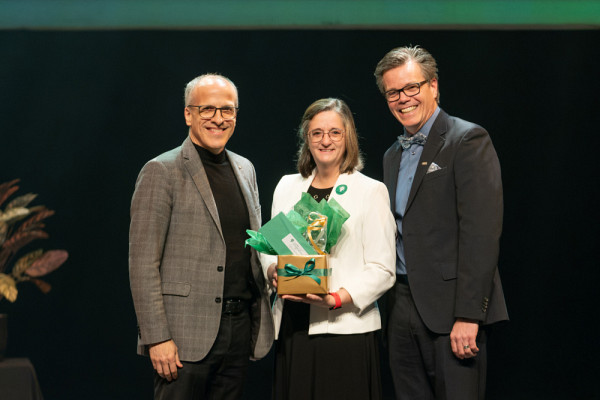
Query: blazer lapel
[[247, 191], [193, 164], [341, 187], [435, 141], [391, 178]]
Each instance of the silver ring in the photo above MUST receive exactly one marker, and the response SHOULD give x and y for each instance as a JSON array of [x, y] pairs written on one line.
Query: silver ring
[[466, 347]]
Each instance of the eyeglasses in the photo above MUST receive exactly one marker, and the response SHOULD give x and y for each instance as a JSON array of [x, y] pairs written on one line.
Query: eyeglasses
[[209, 112], [317, 135], [410, 90]]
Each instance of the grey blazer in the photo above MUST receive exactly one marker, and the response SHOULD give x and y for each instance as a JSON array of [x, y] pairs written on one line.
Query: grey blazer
[[452, 225], [175, 248]]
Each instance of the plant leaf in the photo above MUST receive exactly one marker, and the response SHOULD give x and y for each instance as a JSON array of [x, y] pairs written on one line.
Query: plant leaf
[[3, 232], [38, 226], [20, 239], [47, 263], [38, 215], [13, 215], [21, 201], [7, 189], [25, 262], [8, 288], [4, 254], [43, 286]]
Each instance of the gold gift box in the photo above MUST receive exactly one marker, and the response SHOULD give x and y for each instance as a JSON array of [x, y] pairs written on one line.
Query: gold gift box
[[301, 279]]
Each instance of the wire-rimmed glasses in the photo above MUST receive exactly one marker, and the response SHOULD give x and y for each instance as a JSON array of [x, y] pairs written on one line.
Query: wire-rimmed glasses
[[335, 135]]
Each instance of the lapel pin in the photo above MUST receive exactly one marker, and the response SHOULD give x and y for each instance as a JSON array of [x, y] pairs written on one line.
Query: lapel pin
[[424, 163], [341, 189]]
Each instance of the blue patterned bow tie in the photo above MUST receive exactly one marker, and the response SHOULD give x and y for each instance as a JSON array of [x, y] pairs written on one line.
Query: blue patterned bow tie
[[407, 141]]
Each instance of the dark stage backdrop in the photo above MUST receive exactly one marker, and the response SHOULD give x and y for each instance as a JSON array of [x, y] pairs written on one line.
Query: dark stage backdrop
[[81, 112]]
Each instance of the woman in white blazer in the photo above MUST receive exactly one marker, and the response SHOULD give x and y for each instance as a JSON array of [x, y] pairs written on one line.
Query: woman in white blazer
[[327, 345]]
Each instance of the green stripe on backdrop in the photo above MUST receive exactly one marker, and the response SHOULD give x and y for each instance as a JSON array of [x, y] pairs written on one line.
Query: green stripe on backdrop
[[294, 14]]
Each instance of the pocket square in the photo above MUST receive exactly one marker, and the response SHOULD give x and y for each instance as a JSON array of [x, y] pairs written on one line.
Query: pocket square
[[433, 167]]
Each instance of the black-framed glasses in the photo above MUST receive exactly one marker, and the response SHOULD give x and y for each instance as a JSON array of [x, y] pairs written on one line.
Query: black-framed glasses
[[335, 135], [410, 90], [208, 112]]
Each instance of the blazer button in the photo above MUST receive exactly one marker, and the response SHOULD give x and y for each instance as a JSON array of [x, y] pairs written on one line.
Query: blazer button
[[218, 300], [220, 268]]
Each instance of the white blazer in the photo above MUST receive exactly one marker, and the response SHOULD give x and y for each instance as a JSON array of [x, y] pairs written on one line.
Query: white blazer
[[364, 259]]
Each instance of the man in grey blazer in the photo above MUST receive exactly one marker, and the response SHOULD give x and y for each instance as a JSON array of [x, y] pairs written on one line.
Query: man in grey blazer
[[445, 188], [199, 293]]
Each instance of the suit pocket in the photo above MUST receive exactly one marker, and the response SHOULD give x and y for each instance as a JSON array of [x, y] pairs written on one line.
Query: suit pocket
[[435, 174], [176, 288], [448, 271]]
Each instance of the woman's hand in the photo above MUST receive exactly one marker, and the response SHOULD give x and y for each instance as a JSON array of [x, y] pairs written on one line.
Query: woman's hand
[[320, 300]]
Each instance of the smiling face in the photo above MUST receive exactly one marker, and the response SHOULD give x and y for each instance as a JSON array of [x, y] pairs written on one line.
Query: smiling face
[[327, 153], [212, 134], [411, 112]]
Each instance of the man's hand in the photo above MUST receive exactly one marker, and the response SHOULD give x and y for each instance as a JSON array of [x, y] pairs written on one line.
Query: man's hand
[[165, 359], [462, 338], [272, 275]]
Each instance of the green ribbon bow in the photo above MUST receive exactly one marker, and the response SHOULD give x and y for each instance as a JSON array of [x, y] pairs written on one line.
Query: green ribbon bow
[[309, 270]]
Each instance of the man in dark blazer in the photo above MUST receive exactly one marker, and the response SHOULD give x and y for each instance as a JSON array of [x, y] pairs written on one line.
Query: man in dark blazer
[[199, 294], [445, 188]]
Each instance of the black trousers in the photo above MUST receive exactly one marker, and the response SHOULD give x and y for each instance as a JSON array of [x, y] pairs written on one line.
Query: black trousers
[[221, 374], [422, 364]]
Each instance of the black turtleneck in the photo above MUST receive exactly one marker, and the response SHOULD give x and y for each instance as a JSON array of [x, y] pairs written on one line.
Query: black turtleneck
[[233, 214]]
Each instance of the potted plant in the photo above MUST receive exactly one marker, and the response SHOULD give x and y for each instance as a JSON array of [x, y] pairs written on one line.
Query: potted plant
[[21, 224]]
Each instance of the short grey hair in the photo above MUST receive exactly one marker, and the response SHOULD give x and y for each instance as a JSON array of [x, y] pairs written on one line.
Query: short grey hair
[[191, 85], [401, 55]]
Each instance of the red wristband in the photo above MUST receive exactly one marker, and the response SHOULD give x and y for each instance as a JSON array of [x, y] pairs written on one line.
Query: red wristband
[[338, 301]]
